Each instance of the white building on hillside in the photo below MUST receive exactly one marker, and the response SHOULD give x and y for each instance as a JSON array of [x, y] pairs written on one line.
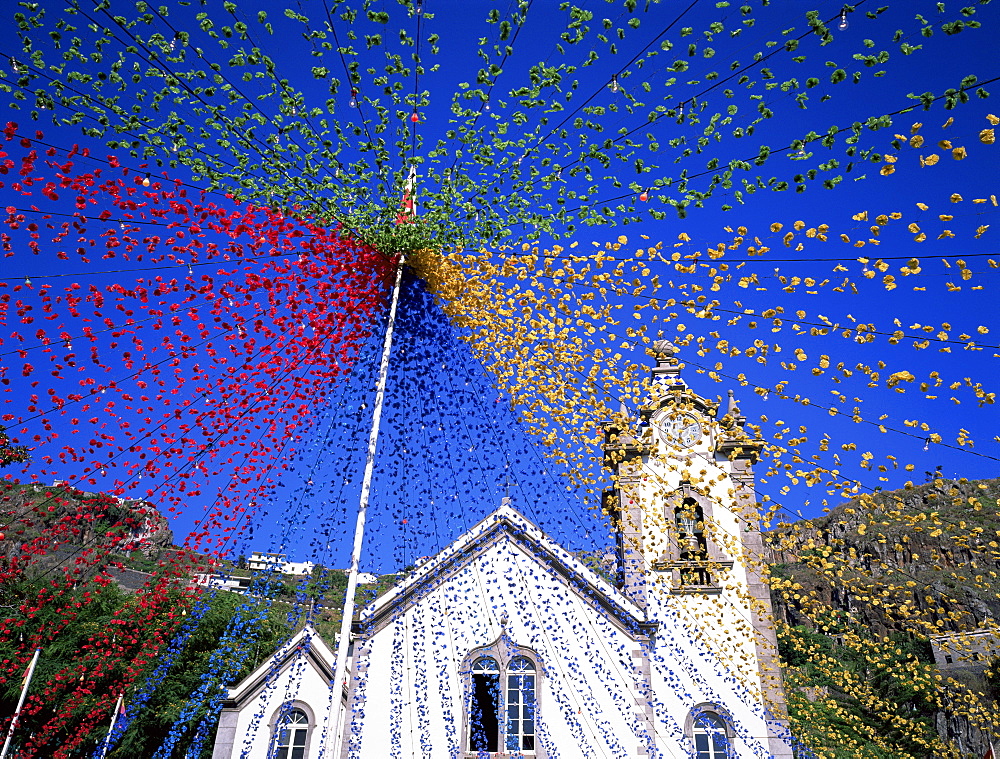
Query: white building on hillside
[[278, 562], [222, 581], [266, 562], [506, 645]]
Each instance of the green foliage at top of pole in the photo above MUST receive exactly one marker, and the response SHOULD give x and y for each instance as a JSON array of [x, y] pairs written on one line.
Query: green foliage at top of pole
[[626, 120]]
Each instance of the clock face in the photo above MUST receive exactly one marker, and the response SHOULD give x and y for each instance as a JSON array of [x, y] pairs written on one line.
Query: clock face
[[683, 431]]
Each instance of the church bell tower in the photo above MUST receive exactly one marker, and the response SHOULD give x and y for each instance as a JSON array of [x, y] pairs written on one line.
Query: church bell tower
[[688, 533]]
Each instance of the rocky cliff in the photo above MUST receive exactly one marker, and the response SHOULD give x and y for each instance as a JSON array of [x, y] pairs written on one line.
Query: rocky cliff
[[901, 565], [43, 525], [929, 555]]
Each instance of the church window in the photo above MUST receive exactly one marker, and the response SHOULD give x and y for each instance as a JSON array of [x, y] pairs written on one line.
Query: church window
[[521, 704], [690, 521], [291, 733], [710, 737], [503, 703], [484, 714]]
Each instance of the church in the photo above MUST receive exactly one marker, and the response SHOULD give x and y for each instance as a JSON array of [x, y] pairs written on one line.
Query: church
[[507, 645]]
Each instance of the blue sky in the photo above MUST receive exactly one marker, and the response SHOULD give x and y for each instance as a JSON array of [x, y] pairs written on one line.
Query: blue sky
[[445, 405]]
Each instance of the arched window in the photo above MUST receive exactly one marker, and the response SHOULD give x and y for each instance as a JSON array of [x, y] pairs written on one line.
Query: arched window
[[291, 735], [484, 706], [521, 704], [690, 520], [711, 739], [503, 703]]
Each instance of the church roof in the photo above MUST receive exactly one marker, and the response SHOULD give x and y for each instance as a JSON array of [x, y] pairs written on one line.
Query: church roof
[[507, 523], [306, 642], [504, 523]]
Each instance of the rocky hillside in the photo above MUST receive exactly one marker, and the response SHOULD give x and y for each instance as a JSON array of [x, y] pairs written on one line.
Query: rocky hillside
[[857, 595], [42, 526], [928, 553]]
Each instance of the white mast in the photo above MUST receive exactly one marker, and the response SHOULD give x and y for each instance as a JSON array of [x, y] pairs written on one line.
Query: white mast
[[111, 730], [337, 686], [340, 669], [20, 702]]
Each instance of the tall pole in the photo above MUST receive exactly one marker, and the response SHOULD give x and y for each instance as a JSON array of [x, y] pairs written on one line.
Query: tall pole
[[111, 730], [339, 671], [20, 703]]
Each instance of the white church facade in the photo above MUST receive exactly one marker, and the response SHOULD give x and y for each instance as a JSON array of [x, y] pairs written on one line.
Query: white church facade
[[507, 645]]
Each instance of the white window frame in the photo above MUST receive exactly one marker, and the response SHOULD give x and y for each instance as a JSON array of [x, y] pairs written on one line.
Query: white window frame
[[513, 673], [281, 721], [504, 654], [695, 728]]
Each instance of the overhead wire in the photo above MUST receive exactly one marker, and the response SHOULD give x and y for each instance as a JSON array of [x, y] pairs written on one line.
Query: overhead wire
[[829, 410], [751, 159], [90, 98], [191, 464], [153, 60], [782, 315], [155, 429], [658, 115]]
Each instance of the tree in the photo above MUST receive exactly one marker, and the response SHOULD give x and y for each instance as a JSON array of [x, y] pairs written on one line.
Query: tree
[[94, 638], [153, 724], [858, 697], [10, 453], [58, 594]]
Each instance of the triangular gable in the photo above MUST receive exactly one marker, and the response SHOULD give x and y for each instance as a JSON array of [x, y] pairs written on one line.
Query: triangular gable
[[318, 656], [507, 522]]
